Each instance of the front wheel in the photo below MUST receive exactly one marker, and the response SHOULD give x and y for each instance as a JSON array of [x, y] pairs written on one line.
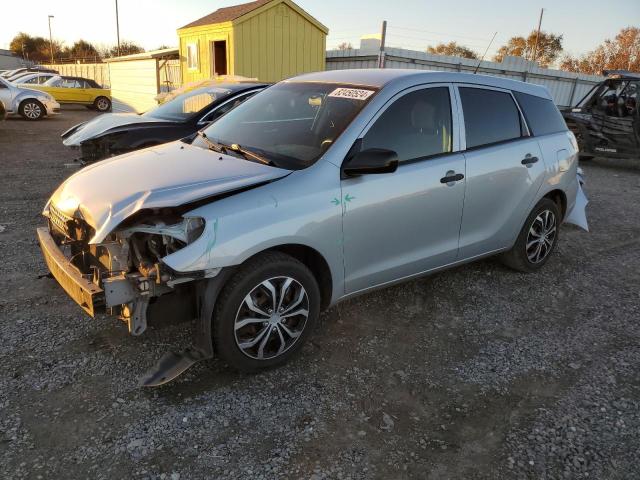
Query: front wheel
[[537, 239], [265, 312], [102, 104], [32, 110]]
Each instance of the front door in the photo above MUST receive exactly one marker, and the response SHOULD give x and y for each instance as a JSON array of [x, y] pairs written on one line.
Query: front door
[[403, 223], [505, 170]]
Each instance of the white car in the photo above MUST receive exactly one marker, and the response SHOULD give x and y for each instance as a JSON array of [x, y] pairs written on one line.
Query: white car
[[30, 104], [32, 78]]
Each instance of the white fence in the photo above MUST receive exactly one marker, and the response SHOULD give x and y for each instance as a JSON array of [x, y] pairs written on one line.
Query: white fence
[[168, 71], [566, 88], [94, 71]]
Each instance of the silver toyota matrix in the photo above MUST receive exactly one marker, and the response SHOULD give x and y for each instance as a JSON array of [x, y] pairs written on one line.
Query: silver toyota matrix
[[319, 188]]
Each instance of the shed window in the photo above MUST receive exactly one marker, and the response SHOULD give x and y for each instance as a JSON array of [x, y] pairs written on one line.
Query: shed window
[[192, 56]]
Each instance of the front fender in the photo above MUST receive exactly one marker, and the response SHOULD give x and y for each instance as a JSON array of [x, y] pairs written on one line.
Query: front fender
[[299, 209], [20, 97]]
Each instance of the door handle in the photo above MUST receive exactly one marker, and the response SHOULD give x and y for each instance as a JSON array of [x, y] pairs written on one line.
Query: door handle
[[451, 177], [528, 160]]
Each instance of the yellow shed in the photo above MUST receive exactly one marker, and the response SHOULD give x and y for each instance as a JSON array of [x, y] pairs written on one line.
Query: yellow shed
[[266, 39]]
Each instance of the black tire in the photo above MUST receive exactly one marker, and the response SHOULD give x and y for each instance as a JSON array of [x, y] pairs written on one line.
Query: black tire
[[102, 104], [269, 266], [518, 257], [32, 110]]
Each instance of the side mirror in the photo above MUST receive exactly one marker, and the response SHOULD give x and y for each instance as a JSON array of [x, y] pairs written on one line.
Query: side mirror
[[371, 160]]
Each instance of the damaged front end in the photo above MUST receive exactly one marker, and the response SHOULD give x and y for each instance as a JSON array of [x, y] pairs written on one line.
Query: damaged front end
[[100, 148], [121, 274]]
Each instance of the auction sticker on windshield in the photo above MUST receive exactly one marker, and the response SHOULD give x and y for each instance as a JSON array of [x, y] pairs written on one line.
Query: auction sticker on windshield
[[354, 93]]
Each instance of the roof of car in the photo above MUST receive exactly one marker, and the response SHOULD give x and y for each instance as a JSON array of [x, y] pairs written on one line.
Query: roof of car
[[89, 80], [381, 77], [68, 77], [621, 74], [236, 86]]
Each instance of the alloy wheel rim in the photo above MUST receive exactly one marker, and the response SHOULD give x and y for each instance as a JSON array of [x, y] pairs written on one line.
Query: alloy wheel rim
[[541, 236], [102, 104], [271, 318], [32, 110]]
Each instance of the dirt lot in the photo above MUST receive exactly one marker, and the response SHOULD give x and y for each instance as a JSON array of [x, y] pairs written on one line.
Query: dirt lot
[[478, 372]]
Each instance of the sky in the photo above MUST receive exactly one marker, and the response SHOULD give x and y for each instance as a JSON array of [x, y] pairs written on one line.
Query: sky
[[412, 24]]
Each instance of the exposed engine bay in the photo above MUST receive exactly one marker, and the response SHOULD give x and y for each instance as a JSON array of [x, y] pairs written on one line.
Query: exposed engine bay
[[127, 264]]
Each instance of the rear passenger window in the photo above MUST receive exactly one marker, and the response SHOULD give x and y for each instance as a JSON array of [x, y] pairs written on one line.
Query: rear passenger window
[[416, 125], [542, 115], [490, 116]]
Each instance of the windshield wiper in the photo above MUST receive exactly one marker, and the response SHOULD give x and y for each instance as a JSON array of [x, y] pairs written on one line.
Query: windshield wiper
[[248, 154], [217, 147]]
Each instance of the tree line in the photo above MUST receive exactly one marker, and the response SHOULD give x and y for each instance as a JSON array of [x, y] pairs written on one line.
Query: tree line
[[38, 49], [619, 53]]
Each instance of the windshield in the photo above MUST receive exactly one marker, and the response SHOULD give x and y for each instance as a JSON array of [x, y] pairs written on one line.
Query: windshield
[[290, 124], [185, 105]]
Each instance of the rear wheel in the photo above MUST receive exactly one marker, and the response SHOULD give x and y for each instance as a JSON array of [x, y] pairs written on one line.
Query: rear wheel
[[265, 312], [102, 104], [32, 110], [537, 239]]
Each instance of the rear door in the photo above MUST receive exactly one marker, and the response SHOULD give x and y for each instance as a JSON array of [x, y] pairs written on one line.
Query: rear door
[[505, 170], [85, 93]]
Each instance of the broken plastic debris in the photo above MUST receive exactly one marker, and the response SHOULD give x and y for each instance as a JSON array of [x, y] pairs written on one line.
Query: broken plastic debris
[[578, 215]]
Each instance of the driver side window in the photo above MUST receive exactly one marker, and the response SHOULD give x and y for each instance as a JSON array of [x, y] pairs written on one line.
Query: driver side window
[[415, 126]]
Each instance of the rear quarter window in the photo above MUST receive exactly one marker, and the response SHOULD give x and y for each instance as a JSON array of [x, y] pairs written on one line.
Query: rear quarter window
[[542, 116], [490, 116]]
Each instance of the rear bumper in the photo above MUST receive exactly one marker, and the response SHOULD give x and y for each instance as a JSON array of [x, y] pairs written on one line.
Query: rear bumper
[[82, 291]]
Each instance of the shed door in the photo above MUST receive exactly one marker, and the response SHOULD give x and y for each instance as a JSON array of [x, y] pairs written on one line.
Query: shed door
[[219, 57]]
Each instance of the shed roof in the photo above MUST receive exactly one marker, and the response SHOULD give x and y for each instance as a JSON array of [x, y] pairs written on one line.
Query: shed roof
[[236, 12], [227, 14], [163, 53]]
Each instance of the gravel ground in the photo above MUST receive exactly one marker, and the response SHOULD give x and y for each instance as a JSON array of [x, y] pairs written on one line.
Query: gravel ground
[[478, 372]]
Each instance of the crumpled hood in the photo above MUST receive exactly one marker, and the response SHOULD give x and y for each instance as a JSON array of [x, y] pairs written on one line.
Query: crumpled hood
[[107, 192], [105, 122]]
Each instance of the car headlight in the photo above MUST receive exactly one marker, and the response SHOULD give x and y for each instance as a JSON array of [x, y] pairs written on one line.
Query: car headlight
[[155, 238], [194, 226], [175, 235], [46, 97]]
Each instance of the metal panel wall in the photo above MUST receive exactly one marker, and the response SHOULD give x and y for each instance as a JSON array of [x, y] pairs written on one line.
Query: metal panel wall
[[134, 85], [278, 43], [566, 88]]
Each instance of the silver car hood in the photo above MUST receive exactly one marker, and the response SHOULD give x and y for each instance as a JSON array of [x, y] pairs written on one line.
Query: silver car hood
[[105, 122], [107, 192]]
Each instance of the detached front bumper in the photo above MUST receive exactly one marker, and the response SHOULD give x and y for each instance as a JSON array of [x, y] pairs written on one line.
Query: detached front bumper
[[85, 293]]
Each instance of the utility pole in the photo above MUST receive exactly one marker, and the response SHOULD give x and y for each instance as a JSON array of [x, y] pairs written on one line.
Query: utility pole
[[50, 39], [383, 38], [118, 27], [535, 46]]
